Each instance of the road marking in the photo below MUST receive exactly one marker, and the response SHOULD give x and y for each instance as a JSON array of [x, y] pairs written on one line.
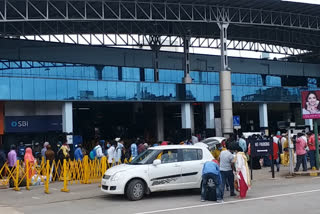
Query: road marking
[[229, 202], [36, 198], [54, 189]]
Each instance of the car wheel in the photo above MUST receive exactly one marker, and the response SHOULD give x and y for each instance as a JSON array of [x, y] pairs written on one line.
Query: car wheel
[[135, 190]]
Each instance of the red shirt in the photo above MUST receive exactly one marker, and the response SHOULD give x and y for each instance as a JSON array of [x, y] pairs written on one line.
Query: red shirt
[[275, 151], [312, 143]]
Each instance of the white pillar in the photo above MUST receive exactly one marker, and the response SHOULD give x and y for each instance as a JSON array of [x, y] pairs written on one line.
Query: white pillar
[[225, 84], [309, 122], [209, 115], [263, 115], [187, 116], [67, 117], [160, 123]]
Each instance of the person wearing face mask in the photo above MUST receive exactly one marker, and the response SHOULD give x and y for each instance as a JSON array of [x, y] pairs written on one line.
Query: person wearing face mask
[[108, 145], [217, 151]]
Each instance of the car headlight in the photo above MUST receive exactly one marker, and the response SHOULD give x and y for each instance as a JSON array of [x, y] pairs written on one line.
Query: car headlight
[[116, 176]]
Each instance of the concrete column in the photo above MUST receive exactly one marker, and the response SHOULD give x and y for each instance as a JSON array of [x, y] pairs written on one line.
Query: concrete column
[[309, 124], [160, 122], [263, 117], [225, 84], [187, 119], [67, 117], [210, 119], [186, 49]]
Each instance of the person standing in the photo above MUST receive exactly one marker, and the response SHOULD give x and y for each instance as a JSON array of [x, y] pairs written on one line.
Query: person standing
[[21, 151], [194, 139], [78, 156], [134, 150], [312, 149], [65, 150], [110, 152], [243, 175], [211, 170], [98, 150], [243, 143], [44, 149], [31, 161], [227, 161], [12, 157], [301, 145], [276, 160], [217, 151], [49, 154], [118, 151]]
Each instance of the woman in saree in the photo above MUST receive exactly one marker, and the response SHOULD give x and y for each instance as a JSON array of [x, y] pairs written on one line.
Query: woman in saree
[[242, 171]]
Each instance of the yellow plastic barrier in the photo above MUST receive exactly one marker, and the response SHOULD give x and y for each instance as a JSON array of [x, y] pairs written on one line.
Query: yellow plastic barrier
[[70, 172], [16, 181], [65, 182], [28, 181], [46, 185]]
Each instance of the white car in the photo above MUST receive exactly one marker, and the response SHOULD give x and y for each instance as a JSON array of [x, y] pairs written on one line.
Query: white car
[[159, 168]]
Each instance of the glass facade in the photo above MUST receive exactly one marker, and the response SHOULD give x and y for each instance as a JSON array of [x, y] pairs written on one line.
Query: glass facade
[[79, 82]]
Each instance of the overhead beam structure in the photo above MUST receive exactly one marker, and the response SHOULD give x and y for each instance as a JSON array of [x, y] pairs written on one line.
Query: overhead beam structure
[[132, 23], [97, 10], [135, 40]]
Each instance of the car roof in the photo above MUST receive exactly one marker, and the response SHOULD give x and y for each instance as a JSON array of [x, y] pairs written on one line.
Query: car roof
[[215, 138], [175, 147]]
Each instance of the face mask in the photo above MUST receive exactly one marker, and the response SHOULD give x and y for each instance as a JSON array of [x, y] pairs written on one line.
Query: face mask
[[108, 145], [220, 148]]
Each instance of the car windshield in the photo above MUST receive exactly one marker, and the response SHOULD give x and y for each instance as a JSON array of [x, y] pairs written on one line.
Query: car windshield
[[145, 157]]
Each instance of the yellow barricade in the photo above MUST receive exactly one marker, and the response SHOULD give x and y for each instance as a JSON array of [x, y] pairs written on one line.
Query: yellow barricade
[[69, 171]]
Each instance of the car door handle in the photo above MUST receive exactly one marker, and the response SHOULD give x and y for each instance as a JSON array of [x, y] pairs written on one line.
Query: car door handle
[[176, 165]]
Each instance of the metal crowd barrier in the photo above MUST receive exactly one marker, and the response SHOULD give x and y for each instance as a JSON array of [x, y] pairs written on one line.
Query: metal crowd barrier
[[67, 171]]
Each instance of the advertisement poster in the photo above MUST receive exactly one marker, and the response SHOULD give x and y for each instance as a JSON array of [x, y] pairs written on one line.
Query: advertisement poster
[[310, 104]]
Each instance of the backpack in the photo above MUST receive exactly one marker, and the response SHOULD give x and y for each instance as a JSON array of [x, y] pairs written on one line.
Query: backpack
[[92, 154]]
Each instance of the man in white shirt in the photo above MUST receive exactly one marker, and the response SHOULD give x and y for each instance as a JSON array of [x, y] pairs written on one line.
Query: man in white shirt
[[110, 152], [98, 150], [194, 139]]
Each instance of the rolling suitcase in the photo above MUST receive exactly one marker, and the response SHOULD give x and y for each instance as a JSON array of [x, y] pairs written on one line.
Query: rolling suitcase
[[211, 190]]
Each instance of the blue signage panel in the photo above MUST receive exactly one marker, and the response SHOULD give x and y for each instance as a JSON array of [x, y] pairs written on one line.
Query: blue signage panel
[[236, 120], [24, 124]]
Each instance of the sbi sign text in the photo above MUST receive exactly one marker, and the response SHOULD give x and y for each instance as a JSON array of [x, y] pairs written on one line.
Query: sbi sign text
[[20, 123]]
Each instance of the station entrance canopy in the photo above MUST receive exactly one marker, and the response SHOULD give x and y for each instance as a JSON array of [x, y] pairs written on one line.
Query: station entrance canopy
[[271, 22]]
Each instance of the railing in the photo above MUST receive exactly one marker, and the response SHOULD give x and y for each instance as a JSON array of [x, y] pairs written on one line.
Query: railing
[[69, 171]]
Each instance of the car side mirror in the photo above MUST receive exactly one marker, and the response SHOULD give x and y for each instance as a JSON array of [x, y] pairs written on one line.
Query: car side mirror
[[156, 162]]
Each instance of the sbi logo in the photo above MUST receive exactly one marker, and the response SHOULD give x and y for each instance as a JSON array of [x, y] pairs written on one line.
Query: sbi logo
[[20, 123]]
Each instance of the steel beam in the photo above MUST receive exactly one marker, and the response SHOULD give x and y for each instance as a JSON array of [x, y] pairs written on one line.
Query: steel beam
[[97, 10], [135, 40]]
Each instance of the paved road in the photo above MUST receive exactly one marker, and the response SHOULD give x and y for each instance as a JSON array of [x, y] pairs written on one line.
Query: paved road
[[295, 196]]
